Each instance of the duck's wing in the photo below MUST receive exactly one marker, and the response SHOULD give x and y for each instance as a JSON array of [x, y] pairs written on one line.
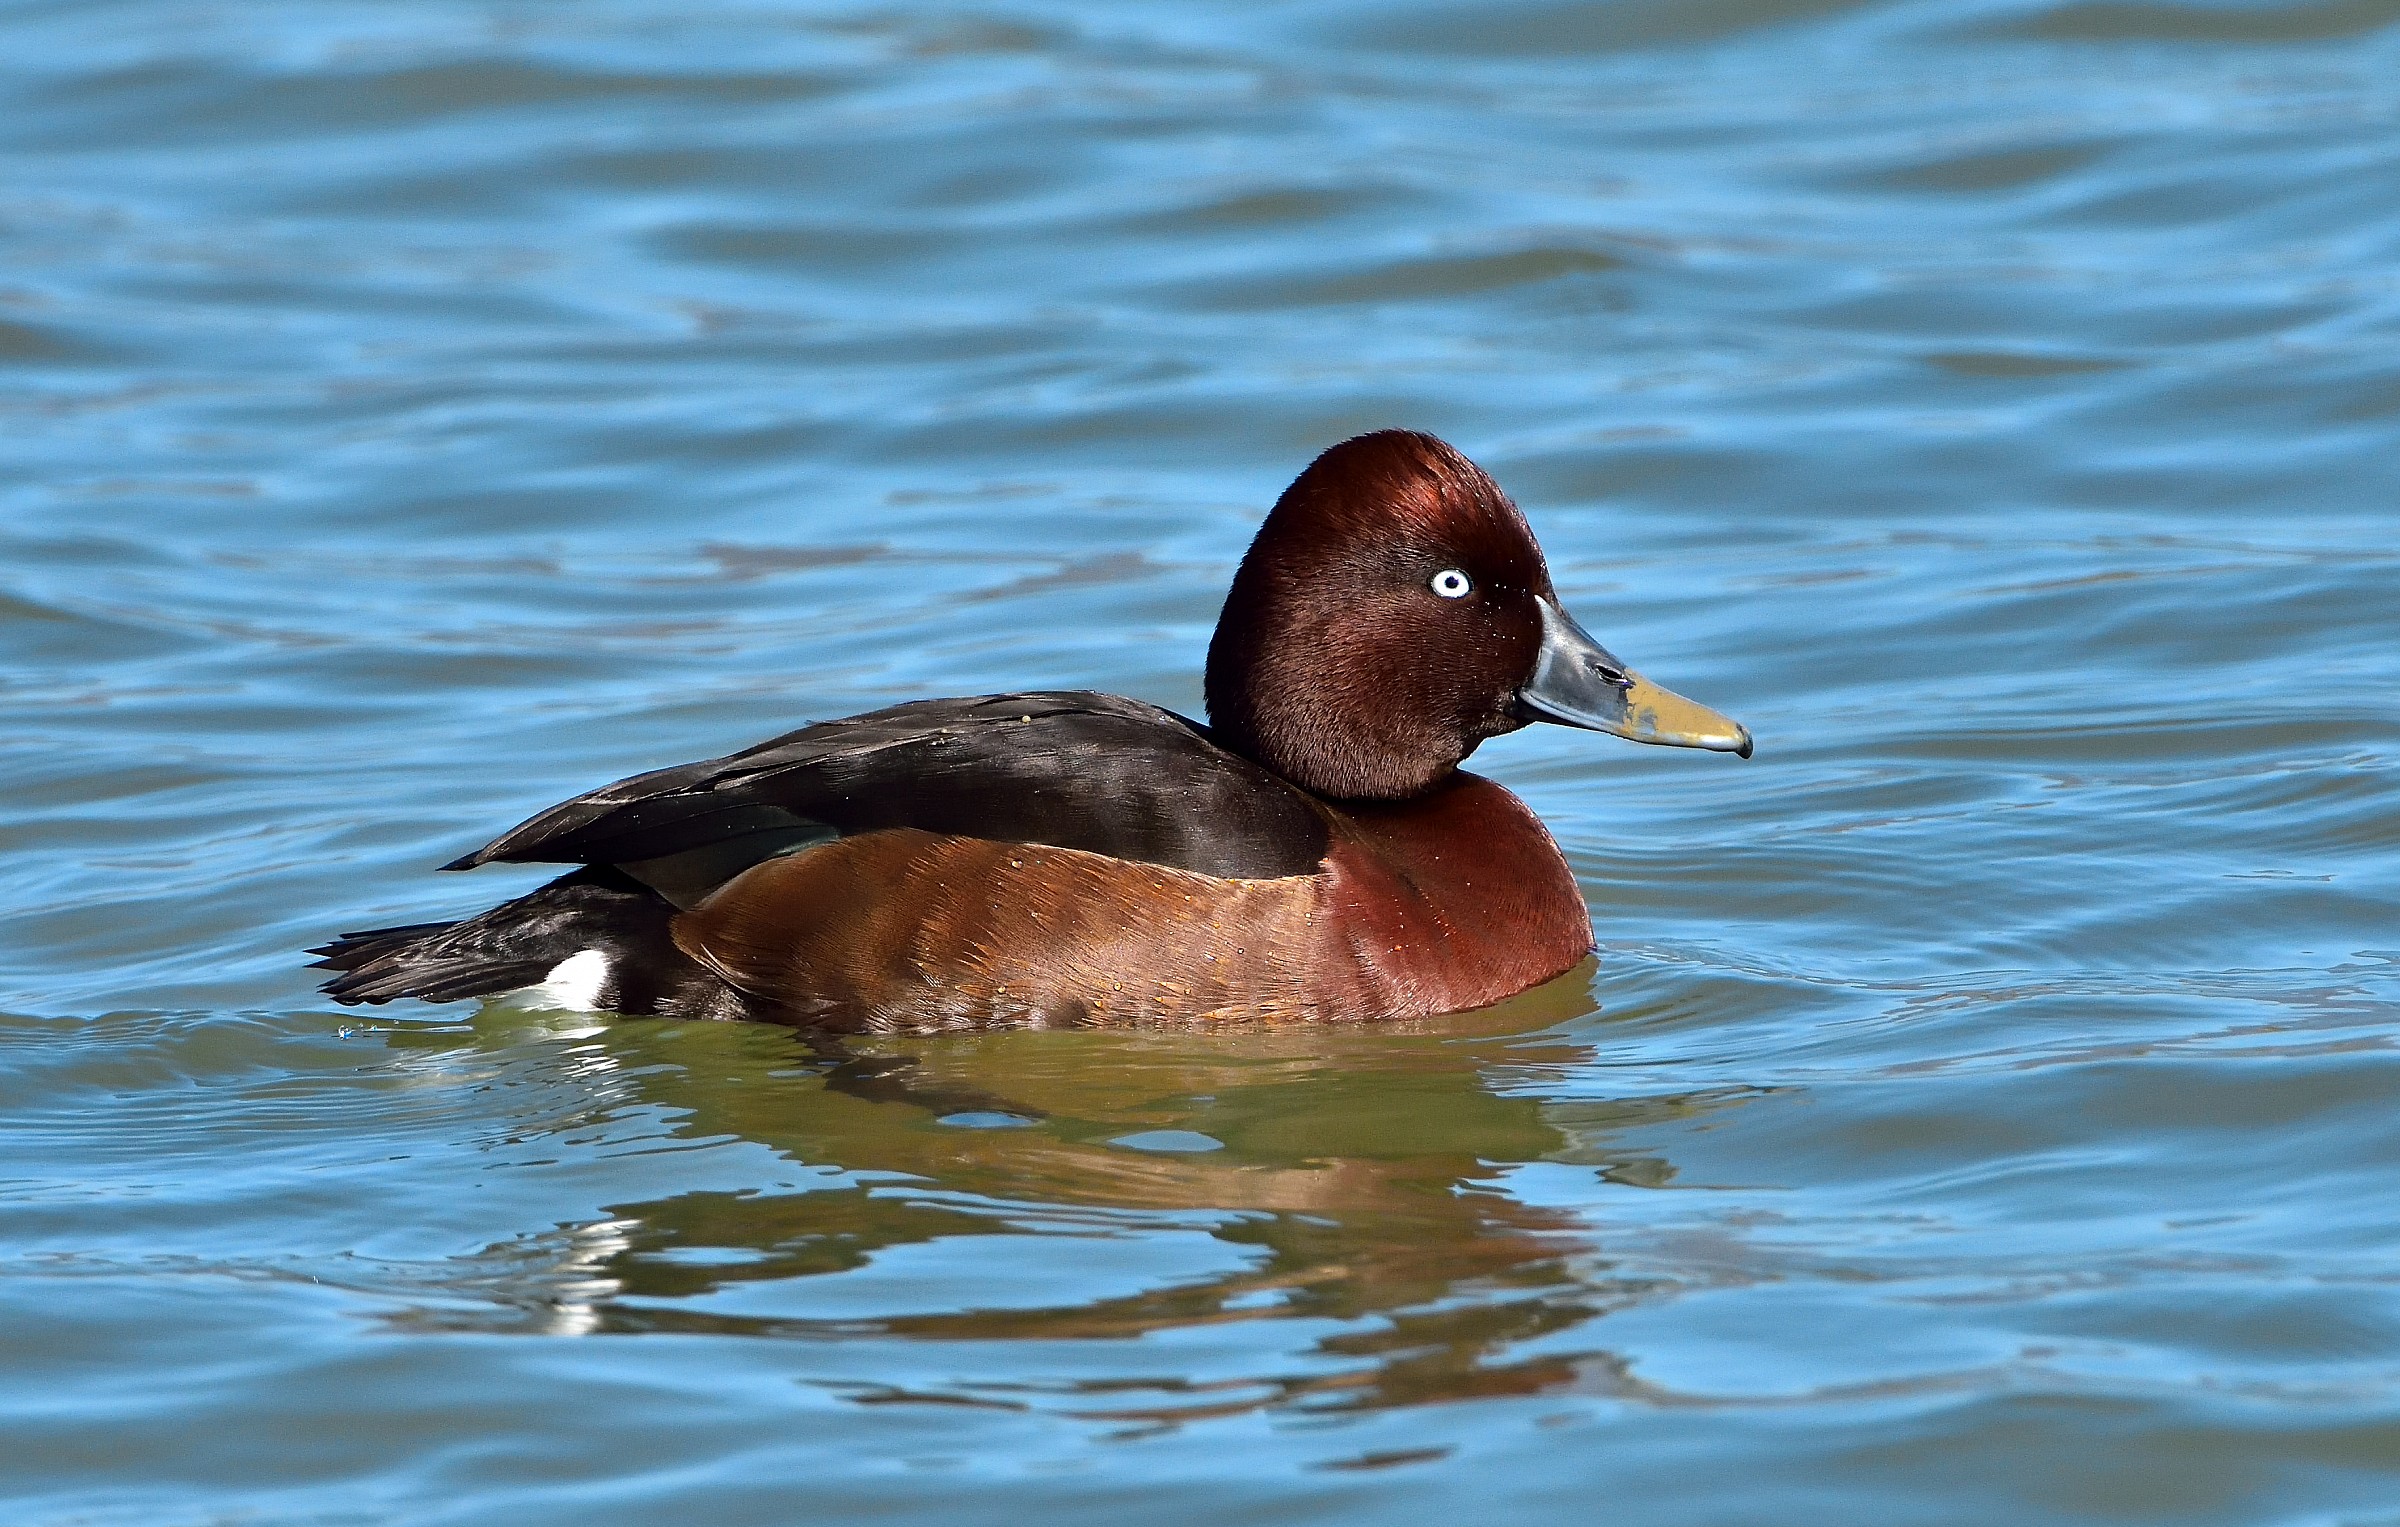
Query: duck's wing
[[1076, 770]]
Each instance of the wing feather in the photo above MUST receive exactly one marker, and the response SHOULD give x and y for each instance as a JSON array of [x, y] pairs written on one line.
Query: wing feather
[[1071, 769]]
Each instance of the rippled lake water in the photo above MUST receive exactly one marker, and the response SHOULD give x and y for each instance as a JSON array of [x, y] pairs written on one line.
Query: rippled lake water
[[1982, 1108]]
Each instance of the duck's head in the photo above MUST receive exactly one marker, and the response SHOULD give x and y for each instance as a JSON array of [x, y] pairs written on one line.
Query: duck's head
[[1394, 612]]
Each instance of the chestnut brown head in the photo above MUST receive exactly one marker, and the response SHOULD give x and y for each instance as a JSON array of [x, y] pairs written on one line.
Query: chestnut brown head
[[1395, 611]]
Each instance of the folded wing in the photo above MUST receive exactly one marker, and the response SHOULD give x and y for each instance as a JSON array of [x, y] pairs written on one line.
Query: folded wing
[[1070, 769]]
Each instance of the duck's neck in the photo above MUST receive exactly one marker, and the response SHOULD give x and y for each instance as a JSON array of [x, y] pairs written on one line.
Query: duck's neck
[[1336, 768], [1318, 709]]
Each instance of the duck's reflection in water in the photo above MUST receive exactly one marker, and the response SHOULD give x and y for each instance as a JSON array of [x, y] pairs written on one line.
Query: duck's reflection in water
[[1355, 1177]]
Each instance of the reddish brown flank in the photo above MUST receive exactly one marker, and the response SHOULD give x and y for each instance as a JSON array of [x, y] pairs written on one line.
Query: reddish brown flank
[[1449, 903]]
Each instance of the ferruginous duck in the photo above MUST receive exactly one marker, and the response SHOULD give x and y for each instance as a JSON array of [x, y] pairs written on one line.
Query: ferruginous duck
[[1315, 853]]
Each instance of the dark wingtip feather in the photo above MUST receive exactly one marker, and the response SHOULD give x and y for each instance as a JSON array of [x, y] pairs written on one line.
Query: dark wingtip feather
[[374, 963], [352, 950]]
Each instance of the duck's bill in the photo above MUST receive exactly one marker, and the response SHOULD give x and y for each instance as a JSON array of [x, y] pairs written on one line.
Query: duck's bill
[[1578, 682]]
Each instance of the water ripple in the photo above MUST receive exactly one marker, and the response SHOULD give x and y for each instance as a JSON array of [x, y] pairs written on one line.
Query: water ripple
[[1977, 1109]]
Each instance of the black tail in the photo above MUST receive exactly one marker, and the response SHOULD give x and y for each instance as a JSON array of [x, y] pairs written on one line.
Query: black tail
[[518, 943]]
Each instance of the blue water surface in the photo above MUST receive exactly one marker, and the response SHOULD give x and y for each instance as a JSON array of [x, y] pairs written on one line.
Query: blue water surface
[[1981, 1109]]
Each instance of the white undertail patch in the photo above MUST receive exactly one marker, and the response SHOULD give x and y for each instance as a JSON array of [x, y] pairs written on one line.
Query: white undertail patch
[[574, 983]]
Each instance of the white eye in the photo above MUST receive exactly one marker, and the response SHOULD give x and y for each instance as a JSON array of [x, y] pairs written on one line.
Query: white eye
[[1450, 583]]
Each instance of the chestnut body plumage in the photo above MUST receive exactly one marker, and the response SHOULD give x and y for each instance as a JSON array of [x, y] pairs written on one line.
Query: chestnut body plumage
[[1074, 858]]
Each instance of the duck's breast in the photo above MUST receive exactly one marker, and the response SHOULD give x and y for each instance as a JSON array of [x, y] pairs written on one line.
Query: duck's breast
[[1450, 901]]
